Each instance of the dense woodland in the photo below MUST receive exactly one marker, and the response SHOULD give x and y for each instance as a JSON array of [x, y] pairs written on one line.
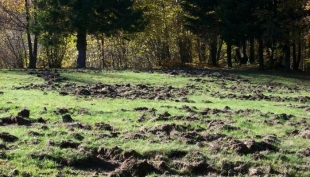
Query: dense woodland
[[121, 34]]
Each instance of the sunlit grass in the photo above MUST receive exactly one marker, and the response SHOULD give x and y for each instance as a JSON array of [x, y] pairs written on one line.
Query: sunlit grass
[[120, 115]]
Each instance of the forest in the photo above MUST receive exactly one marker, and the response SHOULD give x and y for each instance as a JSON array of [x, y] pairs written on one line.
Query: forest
[[137, 34]]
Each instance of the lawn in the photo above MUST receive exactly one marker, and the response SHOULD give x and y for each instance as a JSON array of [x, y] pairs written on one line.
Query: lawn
[[155, 123]]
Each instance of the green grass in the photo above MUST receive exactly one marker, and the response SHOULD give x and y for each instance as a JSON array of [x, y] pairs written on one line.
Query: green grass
[[120, 115]]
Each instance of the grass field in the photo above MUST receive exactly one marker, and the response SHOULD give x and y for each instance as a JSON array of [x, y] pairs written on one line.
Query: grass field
[[159, 123]]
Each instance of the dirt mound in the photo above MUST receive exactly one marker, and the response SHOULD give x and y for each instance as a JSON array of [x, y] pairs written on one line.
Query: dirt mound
[[248, 147], [305, 134], [103, 126], [6, 137], [69, 144], [66, 118], [192, 137], [61, 111], [165, 129], [133, 136], [15, 120], [24, 113], [193, 163], [134, 167], [20, 120], [78, 125], [307, 152], [110, 153]]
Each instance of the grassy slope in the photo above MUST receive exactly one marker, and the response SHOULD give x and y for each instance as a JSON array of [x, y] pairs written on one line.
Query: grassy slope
[[110, 111]]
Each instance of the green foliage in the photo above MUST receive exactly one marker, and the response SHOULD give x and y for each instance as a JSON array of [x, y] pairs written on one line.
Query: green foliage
[[200, 16], [58, 19]]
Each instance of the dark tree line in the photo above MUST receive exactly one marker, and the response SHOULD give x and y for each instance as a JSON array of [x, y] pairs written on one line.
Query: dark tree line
[[149, 33], [272, 25]]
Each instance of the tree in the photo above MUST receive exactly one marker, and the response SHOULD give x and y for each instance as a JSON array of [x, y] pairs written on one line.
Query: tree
[[239, 25], [18, 16], [83, 17], [202, 20], [282, 26]]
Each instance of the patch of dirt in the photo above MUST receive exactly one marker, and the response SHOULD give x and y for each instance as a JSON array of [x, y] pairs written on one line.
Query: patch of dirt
[[134, 167], [66, 118], [78, 125], [260, 96], [3, 147], [69, 144], [176, 154], [193, 163], [220, 125], [33, 133], [110, 153], [100, 90], [305, 134], [132, 136], [6, 137], [24, 113], [250, 146], [307, 152], [78, 136], [103, 126], [61, 111], [254, 146], [165, 129], [191, 137], [48, 75], [22, 118]]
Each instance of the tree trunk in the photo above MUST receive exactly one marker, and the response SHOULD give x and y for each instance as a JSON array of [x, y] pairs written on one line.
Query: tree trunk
[[295, 65], [252, 50], [213, 50], [297, 55], [81, 46], [244, 59], [271, 56], [32, 57], [165, 51], [35, 49], [238, 56], [261, 54], [219, 50], [201, 47], [102, 52], [287, 52], [185, 50], [229, 63]]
